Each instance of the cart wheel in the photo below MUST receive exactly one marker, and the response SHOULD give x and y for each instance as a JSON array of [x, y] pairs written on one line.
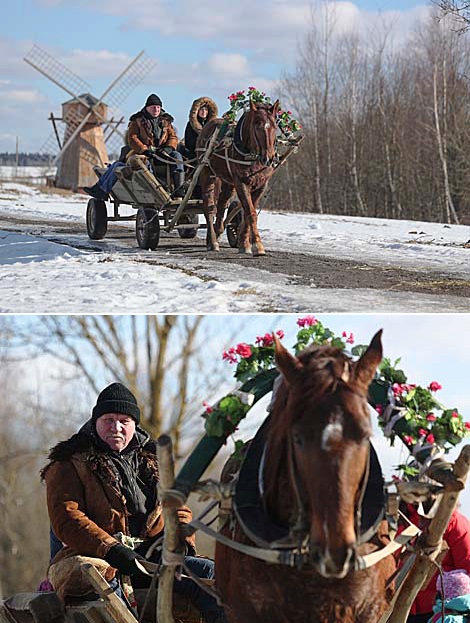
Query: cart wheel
[[96, 219], [186, 219], [147, 228], [234, 225]]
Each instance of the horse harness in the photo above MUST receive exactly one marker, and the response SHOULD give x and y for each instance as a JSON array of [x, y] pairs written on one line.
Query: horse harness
[[277, 544], [236, 142]]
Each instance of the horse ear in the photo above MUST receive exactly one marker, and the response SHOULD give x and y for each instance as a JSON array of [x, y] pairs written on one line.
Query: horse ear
[[252, 105], [275, 107], [289, 366], [366, 366]]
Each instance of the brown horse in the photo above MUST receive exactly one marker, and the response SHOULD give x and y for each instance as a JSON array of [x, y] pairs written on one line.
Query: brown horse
[[315, 465], [244, 164]]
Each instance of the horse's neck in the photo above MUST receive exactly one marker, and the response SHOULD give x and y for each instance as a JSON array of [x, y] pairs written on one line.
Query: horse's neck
[[242, 135], [279, 494]]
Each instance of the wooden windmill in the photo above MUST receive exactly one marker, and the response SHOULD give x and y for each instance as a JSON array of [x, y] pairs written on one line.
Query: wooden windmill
[[87, 122]]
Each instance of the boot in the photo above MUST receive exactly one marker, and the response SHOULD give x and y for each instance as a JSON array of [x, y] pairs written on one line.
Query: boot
[[178, 181], [96, 192]]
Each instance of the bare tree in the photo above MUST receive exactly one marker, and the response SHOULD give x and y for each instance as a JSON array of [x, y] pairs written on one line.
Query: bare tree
[[459, 9], [155, 356]]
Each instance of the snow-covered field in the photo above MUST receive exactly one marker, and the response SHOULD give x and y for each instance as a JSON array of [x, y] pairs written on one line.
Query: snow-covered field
[[37, 275], [35, 175]]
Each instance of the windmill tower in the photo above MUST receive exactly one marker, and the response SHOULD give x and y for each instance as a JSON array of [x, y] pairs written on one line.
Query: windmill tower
[[87, 122]]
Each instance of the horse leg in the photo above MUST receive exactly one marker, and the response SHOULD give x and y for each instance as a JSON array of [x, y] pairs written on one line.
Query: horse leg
[[208, 207], [257, 245], [249, 237], [224, 195]]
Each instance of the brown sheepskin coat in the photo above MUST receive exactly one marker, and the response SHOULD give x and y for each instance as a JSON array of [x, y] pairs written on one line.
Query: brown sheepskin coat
[[86, 506], [140, 136]]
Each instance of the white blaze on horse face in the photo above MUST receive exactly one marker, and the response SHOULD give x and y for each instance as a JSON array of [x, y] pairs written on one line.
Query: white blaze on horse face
[[332, 432]]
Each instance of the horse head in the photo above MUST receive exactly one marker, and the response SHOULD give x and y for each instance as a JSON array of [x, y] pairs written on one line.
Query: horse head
[[261, 121], [318, 449]]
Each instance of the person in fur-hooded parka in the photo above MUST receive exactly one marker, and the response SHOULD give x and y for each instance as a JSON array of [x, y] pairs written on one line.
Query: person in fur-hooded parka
[[202, 110]]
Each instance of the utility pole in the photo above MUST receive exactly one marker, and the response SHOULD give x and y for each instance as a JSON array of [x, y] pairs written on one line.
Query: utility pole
[[17, 156]]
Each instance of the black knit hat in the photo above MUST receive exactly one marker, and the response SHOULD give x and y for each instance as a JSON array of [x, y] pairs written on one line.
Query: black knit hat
[[153, 100], [116, 398]]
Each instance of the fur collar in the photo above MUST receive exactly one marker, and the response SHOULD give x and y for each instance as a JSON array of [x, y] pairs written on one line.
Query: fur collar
[[202, 101], [87, 444]]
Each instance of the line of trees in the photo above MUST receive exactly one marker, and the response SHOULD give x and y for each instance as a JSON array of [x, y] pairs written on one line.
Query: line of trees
[[386, 126]]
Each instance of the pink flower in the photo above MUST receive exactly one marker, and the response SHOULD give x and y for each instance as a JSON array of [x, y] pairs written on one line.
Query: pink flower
[[467, 425], [350, 339], [307, 321], [398, 389], [454, 414], [431, 417], [251, 89], [244, 350], [434, 386], [379, 409], [408, 439], [430, 438], [401, 388], [209, 409], [280, 333], [229, 355]]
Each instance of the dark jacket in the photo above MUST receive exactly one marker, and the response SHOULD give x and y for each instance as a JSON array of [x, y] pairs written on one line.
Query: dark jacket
[[140, 134], [195, 124]]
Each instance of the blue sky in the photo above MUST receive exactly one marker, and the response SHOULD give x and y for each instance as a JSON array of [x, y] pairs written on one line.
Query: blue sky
[[212, 49]]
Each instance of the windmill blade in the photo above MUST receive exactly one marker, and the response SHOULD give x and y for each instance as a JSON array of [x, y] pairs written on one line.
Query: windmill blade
[[121, 86], [59, 74], [128, 79], [74, 134]]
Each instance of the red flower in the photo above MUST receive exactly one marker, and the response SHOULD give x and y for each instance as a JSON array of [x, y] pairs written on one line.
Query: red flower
[[209, 409], [467, 425], [408, 439], [434, 386], [350, 339], [379, 409], [423, 431], [454, 414], [308, 321], [280, 334], [244, 350], [430, 438], [229, 355], [431, 417]]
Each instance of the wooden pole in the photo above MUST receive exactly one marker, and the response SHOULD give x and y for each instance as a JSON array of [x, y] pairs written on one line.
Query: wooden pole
[[17, 157], [194, 179], [171, 540], [429, 548], [115, 606]]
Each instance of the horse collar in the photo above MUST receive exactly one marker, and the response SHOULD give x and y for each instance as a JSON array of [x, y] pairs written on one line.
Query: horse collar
[[238, 142]]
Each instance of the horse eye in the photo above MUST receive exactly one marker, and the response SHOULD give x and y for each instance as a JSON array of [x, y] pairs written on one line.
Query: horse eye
[[298, 439]]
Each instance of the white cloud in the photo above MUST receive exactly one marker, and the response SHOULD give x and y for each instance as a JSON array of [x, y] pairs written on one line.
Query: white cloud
[[22, 96], [232, 64]]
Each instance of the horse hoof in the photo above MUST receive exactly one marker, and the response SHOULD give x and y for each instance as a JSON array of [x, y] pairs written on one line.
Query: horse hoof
[[245, 250], [213, 247], [257, 251]]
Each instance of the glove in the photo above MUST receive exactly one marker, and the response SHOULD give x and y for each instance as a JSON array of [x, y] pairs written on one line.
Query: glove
[[123, 559], [150, 152]]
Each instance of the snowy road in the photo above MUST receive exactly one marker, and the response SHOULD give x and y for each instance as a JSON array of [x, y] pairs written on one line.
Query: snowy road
[[326, 263]]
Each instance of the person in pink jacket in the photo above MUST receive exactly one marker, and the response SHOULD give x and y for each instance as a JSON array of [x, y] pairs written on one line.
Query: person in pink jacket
[[457, 538]]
